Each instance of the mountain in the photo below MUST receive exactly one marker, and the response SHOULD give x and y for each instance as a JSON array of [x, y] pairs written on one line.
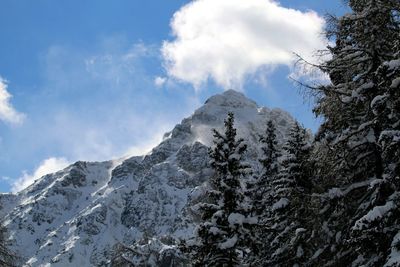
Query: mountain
[[76, 216]]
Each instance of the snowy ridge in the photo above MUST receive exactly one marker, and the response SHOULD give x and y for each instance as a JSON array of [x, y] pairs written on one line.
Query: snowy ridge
[[75, 217]]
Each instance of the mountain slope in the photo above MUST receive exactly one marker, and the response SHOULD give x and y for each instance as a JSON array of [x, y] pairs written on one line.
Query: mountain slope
[[75, 216]]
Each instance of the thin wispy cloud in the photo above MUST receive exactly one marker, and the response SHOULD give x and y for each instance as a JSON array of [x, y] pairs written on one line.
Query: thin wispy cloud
[[47, 166], [100, 104], [229, 40], [8, 113], [119, 105]]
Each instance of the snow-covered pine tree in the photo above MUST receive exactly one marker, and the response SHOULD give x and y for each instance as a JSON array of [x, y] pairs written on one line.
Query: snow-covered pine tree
[[291, 215], [221, 239], [381, 221], [358, 135], [269, 163], [261, 186], [387, 107], [260, 192]]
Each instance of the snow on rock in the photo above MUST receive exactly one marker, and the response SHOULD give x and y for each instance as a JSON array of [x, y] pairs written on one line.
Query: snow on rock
[[8, 202], [76, 216]]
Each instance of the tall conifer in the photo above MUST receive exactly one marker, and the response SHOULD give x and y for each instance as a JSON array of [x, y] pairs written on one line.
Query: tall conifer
[[358, 141], [221, 238]]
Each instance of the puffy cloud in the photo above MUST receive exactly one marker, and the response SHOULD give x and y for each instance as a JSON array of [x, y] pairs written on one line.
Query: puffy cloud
[[47, 166], [228, 40], [7, 111]]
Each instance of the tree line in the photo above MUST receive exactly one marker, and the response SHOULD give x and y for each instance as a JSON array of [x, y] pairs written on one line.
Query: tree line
[[332, 202]]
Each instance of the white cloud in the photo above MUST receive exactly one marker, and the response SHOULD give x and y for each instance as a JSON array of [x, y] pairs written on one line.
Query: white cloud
[[7, 111], [47, 166], [160, 81], [146, 146], [228, 40]]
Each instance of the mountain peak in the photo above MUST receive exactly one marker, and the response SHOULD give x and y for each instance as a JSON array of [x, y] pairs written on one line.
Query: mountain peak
[[231, 98], [77, 216]]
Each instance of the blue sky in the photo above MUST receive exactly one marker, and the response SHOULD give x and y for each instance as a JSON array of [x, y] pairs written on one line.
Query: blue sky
[[94, 80]]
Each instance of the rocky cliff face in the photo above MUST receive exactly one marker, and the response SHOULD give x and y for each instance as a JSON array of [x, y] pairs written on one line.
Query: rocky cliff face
[[75, 217]]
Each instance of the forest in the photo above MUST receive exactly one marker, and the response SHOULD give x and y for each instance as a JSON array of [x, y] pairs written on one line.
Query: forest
[[329, 200]]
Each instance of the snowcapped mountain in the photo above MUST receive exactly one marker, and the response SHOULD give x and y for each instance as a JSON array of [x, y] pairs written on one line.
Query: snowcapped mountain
[[75, 217]]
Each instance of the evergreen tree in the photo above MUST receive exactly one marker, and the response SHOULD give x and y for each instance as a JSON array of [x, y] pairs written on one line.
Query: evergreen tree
[[261, 188], [358, 140], [270, 158], [222, 237], [290, 220], [261, 192]]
